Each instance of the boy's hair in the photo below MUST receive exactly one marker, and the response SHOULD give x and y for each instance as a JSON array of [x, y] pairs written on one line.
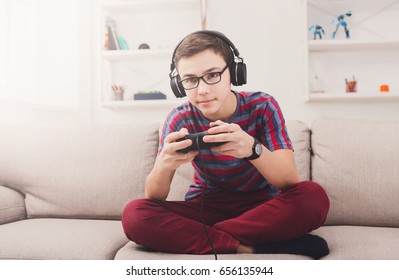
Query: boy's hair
[[198, 42]]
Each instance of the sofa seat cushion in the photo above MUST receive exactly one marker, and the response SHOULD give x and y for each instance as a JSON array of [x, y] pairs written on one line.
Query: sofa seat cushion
[[361, 242], [61, 239], [132, 251]]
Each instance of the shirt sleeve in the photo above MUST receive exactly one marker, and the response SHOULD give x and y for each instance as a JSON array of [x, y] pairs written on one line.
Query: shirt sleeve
[[275, 131]]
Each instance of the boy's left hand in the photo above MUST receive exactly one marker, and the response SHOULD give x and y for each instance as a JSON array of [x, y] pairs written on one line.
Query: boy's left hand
[[239, 143]]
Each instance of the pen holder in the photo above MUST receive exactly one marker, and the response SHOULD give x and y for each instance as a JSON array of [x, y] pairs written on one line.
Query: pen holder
[[119, 91], [119, 94], [351, 86]]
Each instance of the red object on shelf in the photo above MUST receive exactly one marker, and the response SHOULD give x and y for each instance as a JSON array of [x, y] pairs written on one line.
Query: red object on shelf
[[351, 86], [384, 88]]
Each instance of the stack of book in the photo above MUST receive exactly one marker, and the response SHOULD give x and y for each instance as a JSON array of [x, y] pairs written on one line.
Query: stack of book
[[112, 40]]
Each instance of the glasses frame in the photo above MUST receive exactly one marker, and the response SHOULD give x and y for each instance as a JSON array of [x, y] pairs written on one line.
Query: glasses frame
[[202, 78]]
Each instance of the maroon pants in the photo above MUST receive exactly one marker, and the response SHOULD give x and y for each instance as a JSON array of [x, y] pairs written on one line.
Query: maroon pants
[[231, 218]]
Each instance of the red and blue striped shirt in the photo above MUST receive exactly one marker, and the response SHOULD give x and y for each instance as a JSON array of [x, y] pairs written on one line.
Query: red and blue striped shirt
[[259, 115]]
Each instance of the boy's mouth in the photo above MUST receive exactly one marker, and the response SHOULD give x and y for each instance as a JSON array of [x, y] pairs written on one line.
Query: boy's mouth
[[206, 101]]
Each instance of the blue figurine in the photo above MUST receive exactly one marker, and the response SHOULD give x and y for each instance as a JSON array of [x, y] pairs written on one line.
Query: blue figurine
[[340, 21], [317, 31]]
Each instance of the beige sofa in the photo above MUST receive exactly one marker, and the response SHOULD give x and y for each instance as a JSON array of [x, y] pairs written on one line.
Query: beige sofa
[[63, 189]]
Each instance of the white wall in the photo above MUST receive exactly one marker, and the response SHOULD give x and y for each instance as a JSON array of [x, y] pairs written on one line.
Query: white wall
[[270, 36], [268, 33], [45, 59]]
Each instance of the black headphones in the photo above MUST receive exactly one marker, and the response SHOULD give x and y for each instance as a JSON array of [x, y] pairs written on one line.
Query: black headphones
[[238, 69]]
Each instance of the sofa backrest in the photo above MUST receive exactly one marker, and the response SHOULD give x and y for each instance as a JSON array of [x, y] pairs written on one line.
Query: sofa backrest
[[357, 162], [300, 136], [83, 171]]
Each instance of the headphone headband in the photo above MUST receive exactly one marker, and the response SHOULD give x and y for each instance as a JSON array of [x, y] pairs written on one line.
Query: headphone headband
[[216, 34], [238, 72]]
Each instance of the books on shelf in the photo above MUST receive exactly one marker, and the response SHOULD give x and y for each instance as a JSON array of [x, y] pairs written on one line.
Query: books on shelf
[[112, 40]]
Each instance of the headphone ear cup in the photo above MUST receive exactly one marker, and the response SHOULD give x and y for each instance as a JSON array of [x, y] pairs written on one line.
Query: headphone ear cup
[[241, 73], [238, 73], [177, 88], [233, 73]]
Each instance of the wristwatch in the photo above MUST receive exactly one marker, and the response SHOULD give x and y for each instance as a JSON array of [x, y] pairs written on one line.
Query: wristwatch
[[256, 150]]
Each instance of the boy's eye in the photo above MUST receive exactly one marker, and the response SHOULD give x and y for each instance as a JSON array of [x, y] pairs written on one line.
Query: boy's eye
[[212, 75], [190, 81]]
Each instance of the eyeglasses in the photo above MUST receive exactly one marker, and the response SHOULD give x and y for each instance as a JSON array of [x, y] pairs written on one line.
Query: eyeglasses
[[209, 79]]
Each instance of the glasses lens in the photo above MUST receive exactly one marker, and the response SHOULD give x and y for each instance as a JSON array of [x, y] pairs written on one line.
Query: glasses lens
[[212, 78], [190, 83]]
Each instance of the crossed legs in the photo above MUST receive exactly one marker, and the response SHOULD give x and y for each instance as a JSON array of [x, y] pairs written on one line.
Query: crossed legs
[[232, 219]]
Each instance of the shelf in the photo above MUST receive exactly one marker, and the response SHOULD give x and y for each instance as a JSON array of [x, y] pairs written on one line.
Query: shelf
[[118, 55], [143, 6], [353, 96], [371, 54], [157, 23], [128, 104], [348, 45]]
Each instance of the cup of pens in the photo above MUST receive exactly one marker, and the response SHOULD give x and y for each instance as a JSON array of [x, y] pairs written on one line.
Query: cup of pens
[[351, 85], [119, 91]]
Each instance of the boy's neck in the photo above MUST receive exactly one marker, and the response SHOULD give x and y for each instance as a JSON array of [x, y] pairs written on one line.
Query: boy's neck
[[227, 111]]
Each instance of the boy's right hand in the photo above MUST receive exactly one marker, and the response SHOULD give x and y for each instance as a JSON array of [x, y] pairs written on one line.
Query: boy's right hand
[[169, 158]]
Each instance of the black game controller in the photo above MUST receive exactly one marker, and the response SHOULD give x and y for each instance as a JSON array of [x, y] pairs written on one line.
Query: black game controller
[[198, 142]]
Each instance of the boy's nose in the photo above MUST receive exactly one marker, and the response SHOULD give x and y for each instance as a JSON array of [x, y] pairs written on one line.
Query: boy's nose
[[203, 88]]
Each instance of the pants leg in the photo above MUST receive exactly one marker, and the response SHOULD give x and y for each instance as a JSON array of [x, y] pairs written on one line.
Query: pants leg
[[300, 209], [232, 218], [175, 227]]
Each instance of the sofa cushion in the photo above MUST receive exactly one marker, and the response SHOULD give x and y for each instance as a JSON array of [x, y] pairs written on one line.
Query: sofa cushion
[[300, 137], [12, 205], [356, 161], [84, 171], [52, 239], [299, 133], [360, 242], [132, 251]]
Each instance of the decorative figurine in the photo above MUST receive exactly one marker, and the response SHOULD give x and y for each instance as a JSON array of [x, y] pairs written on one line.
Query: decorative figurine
[[317, 31], [316, 85], [144, 46], [340, 21]]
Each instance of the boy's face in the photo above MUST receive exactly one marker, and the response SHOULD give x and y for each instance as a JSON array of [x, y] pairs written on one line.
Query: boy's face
[[215, 101]]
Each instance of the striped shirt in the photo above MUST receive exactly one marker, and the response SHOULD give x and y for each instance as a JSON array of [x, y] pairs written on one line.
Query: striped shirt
[[259, 115]]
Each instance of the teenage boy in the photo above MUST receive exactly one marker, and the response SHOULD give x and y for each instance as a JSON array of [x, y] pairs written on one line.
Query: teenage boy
[[246, 189]]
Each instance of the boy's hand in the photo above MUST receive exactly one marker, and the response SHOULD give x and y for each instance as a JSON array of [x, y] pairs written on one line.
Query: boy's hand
[[168, 157], [239, 143]]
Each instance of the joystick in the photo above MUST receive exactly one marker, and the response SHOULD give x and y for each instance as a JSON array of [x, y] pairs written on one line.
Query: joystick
[[198, 142]]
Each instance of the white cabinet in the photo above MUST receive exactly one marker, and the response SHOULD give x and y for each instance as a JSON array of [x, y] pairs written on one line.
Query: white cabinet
[[160, 24], [370, 56]]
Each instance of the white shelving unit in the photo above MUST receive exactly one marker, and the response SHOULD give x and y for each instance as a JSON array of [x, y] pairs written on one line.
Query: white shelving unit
[[128, 55], [161, 24], [130, 104], [371, 55], [351, 45], [367, 96]]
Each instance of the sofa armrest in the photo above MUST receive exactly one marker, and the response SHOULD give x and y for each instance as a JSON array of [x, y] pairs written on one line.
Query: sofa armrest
[[12, 205]]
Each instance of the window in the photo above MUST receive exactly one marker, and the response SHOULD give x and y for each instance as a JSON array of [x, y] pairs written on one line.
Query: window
[[40, 52]]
